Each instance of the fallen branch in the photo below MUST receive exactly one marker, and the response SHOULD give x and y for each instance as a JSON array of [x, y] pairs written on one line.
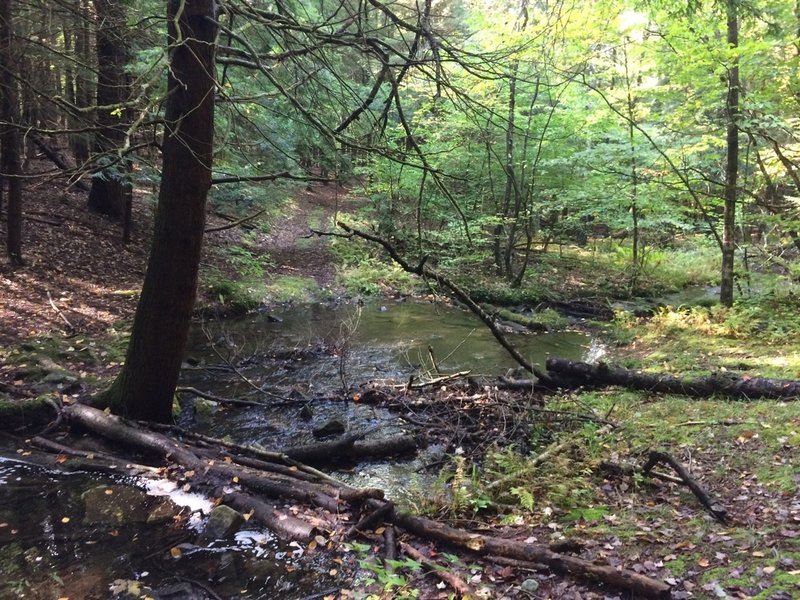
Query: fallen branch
[[576, 374], [283, 524], [235, 223], [70, 327], [454, 581], [719, 513], [457, 291], [639, 586]]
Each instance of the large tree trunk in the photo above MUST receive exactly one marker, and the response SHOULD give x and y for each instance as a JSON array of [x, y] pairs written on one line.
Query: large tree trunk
[[9, 136], [146, 384], [732, 161], [110, 187]]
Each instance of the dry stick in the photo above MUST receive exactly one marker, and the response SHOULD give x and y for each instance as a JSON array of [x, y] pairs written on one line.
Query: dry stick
[[459, 293], [236, 223], [219, 399], [437, 380], [720, 514], [70, 327], [459, 585], [372, 519], [113, 463], [275, 457], [389, 544], [616, 470]]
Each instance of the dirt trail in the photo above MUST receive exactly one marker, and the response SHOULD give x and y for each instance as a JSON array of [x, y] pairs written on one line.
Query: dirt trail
[[289, 244]]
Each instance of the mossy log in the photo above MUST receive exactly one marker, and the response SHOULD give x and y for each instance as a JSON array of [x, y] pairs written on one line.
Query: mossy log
[[569, 373], [30, 413]]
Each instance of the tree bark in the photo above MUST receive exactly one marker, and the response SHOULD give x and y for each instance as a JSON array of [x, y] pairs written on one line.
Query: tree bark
[[576, 374], [731, 161], [145, 386], [110, 186], [9, 136]]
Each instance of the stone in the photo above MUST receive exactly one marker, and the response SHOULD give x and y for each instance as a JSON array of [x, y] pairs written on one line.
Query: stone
[[223, 522]]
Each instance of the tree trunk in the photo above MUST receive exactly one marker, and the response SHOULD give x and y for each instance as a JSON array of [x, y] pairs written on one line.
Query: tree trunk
[[732, 161], [110, 185], [146, 384], [79, 142], [9, 136]]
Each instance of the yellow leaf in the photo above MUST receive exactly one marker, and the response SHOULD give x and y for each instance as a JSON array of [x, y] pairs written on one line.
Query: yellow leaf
[[332, 572], [312, 544], [249, 514], [109, 492], [475, 543], [65, 519], [380, 530], [175, 552], [703, 562], [235, 479]]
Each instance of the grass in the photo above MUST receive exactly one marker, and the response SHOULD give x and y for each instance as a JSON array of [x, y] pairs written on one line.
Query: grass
[[292, 288]]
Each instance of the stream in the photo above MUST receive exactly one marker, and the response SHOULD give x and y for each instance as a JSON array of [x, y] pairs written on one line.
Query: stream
[[82, 535]]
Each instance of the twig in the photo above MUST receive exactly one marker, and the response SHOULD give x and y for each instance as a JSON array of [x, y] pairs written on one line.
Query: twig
[[219, 399], [70, 327], [451, 579], [236, 223]]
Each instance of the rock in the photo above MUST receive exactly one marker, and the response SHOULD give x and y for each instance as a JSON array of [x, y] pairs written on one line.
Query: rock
[[530, 585], [222, 524], [163, 511], [332, 427]]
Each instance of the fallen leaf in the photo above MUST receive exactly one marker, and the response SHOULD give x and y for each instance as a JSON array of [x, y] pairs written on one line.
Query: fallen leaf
[[175, 552]]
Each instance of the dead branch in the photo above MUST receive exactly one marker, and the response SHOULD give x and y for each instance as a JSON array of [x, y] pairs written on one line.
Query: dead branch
[[457, 291], [577, 374], [70, 327], [236, 223], [719, 513], [639, 585], [454, 581]]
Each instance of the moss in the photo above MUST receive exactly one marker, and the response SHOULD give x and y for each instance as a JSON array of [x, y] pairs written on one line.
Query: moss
[[290, 288], [27, 413]]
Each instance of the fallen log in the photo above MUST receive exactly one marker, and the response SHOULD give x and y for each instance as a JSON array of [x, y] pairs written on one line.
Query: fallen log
[[639, 586], [206, 473], [569, 373], [283, 524]]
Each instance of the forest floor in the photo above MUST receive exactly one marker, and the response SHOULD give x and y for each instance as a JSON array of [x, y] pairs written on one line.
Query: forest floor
[[78, 293]]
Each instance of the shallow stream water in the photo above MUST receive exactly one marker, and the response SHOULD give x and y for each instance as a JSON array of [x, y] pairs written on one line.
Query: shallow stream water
[[82, 535]]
